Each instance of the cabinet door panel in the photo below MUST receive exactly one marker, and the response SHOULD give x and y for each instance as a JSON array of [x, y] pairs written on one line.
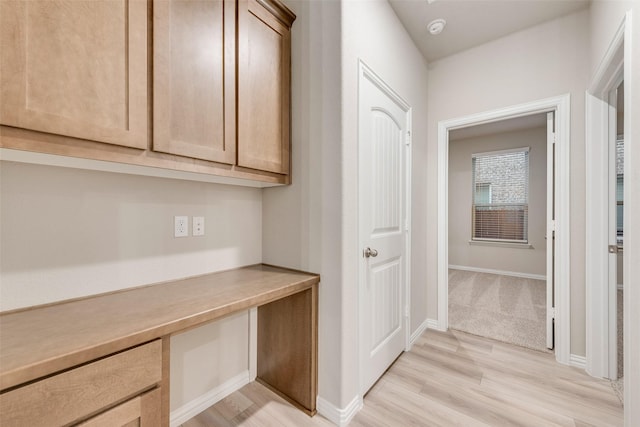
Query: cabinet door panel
[[76, 68], [263, 89], [194, 94]]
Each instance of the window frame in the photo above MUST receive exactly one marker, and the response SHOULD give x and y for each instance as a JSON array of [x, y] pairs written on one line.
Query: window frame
[[525, 223]]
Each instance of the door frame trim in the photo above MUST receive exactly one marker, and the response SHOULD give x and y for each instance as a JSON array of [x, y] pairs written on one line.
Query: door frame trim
[[598, 304], [561, 105], [366, 72]]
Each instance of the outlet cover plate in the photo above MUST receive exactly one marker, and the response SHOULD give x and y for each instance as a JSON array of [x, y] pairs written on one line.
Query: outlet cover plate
[[180, 226]]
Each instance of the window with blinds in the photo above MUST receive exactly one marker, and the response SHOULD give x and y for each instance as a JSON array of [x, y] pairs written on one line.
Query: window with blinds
[[500, 205], [620, 189]]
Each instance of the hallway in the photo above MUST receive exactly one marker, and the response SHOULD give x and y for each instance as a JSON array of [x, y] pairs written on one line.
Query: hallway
[[449, 378]]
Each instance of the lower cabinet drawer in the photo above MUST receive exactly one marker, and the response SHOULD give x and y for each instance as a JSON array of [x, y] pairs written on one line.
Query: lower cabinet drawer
[[141, 411], [73, 395]]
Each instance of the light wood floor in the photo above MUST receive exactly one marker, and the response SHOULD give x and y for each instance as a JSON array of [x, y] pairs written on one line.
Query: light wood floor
[[449, 379]]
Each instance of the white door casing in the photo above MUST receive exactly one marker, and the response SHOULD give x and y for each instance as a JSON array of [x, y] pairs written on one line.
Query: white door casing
[[383, 144], [600, 135], [620, 59], [561, 106]]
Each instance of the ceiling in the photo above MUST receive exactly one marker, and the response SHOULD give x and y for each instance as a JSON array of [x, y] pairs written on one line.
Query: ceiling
[[471, 23]]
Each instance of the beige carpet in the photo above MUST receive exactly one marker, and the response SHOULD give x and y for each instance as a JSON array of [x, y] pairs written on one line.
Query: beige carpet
[[618, 385], [508, 309], [620, 322]]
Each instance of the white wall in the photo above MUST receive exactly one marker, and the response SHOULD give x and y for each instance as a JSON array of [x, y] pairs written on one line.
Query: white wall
[[313, 223], [204, 358], [605, 19], [376, 37], [301, 222], [530, 259], [68, 233], [548, 60]]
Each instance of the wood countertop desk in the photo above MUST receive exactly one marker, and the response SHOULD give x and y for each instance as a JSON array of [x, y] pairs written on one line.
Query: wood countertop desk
[[43, 341]]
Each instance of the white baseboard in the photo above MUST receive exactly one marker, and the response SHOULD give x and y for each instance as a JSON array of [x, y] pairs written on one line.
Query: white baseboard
[[253, 343], [338, 416], [193, 408], [578, 361], [434, 324], [500, 272], [418, 332]]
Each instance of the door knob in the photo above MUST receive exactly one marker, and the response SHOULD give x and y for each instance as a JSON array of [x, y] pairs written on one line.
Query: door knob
[[370, 253]]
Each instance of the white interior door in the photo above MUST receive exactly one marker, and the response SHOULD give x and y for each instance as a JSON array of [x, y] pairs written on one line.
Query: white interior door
[[383, 138], [551, 146]]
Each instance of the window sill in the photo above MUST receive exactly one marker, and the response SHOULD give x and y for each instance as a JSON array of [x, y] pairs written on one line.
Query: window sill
[[500, 244]]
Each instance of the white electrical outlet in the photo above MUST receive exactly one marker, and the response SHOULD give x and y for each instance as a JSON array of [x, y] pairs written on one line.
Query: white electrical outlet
[[181, 226], [198, 226]]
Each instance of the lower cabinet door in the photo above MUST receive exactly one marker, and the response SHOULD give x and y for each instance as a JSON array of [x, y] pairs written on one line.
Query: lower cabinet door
[[141, 411]]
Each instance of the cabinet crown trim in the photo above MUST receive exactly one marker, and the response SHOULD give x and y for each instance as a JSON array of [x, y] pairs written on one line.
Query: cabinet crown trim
[[279, 10]]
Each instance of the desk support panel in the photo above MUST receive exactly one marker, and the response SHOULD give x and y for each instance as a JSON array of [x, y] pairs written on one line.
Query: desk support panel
[[287, 347]]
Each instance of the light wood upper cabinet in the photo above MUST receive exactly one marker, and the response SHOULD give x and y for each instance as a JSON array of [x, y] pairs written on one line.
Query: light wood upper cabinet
[[212, 75], [76, 68], [264, 49], [194, 79]]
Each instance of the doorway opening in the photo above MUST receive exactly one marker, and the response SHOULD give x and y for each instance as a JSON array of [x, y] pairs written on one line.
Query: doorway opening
[[558, 227], [616, 237], [498, 230]]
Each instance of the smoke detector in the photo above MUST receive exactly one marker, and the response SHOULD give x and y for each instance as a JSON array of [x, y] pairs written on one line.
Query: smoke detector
[[436, 26]]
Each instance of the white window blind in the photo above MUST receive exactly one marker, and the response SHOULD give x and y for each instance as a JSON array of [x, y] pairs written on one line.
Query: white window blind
[[620, 188], [500, 205]]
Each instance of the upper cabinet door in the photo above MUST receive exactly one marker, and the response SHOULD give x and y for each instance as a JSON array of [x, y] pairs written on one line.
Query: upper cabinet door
[[76, 68], [194, 78], [264, 85]]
